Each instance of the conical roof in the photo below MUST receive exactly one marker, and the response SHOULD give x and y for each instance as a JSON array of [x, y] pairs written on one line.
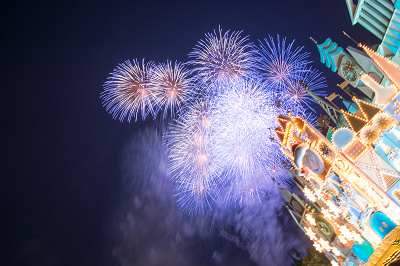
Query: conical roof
[[280, 134], [391, 70], [280, 131], [367, 109], [355, 122], [283, 120]]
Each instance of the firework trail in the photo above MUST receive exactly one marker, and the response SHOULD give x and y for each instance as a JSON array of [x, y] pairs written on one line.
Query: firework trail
[[222, 55]]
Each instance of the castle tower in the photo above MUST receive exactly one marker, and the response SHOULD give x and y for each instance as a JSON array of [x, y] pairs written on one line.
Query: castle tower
[[381, 18], [348, 66], [390, 69]]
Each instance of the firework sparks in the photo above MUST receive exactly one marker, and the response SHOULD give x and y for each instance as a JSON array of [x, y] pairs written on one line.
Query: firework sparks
[[280, 62], [127, 92], [171, 86], [295, 94], [222, 55], [221, 146]]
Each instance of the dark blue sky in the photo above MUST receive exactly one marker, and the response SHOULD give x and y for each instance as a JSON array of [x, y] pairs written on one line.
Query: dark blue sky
[[60, 180]]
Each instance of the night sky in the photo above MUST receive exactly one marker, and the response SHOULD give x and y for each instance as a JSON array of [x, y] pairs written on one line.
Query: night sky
[[62, 155]]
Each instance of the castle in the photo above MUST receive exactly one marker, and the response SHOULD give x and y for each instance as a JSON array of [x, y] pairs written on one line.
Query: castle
[[350, 173]]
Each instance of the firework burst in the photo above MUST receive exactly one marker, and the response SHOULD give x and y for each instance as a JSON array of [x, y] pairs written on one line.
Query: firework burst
[[221, 145], [244, 123], [170, 86], [279, 62], [127, 92], [222, 55], [191, 160], [295, 95]]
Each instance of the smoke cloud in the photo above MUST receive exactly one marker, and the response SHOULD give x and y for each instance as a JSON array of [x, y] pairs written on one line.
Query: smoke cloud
[[153, 231]]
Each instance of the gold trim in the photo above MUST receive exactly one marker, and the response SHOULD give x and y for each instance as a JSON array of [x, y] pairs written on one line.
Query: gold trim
[[391, 239]]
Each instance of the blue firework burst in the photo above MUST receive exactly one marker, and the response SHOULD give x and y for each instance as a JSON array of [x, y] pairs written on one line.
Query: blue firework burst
[[280, 62], [222, 55]]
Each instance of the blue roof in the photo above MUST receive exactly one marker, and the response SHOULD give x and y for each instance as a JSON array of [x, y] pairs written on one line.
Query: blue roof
[[321, 53], [327, 51]]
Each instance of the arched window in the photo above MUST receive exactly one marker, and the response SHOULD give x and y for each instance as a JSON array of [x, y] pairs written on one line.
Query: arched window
[[381, 224]]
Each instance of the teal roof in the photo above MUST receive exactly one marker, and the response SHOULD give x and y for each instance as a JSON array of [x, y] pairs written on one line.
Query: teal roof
[[363, 250], [321, 53], [394, 37], [327, 51], [329, 134]]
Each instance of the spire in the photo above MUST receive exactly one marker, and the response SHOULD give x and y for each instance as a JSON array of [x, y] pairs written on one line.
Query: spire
[[348, 36], [368, 110], [280, 131], [314, 41], [355, 122], [390, 69], [382, 94], [329, 53], [332, 111]]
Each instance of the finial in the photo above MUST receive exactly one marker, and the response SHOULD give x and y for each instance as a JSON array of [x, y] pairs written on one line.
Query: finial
[[358, 44], [312, 39]]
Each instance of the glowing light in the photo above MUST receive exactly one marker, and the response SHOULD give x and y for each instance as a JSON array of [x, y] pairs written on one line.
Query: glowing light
[[343, 239], [318, 247], [327, 214], [333, 208], [324, 244], [311, 219], [310, 233], [349, 235], [309, 194], [335, 251]]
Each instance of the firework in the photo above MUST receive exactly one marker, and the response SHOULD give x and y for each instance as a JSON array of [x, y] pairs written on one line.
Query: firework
[[243, 131], [279, 62], [244, 122], [170, 86], [221, 145], [295, 94], [191, 161], [222, 55], [127, 92], [195, 196]]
